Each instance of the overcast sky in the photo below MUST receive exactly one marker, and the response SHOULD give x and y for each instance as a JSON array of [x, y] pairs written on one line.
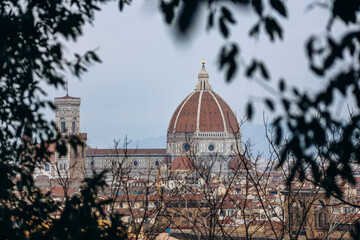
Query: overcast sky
[[146, 72]]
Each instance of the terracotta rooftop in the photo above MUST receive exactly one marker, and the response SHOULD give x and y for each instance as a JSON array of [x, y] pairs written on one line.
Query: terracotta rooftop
[[181, 163], [204, 111]]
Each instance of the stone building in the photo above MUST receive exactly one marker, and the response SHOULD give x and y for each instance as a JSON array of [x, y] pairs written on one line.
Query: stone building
[[72, 164], [202, 127]]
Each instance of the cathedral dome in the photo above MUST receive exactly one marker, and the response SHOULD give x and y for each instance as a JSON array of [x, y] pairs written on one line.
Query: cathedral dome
[[203, 111]]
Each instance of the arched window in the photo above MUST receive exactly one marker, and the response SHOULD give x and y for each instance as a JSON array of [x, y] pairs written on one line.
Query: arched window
[[61, 166], [62, 125], [47, 167], [73, 125], [320, 220]]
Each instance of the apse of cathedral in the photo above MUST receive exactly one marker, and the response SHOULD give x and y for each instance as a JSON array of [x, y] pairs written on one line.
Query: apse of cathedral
[[203, 129]]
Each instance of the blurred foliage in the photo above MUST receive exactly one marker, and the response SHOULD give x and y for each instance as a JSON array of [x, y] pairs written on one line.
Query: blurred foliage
[[323, 145], [32, 34]]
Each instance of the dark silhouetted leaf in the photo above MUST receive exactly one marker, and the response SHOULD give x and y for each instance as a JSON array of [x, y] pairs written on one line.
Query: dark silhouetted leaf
[[264, 71], [317, 70], [227, 15], [122, 4], [254, 30], [186, 16], [210, 22], [258, 6], [227, 59], [296, 92], [286, 104], [249, 111], [309, 47], [278, 135], [282, 85], [168, 9], [251, 69], [269, 104], [272, 28], [279, 6], [346, 10], [223, 28]]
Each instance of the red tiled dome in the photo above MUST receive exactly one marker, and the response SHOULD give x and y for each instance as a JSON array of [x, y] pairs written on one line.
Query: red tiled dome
[[204, 111], [181, 163]]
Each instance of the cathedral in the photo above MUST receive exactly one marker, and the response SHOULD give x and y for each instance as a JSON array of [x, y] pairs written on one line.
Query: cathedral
[[202, 128]]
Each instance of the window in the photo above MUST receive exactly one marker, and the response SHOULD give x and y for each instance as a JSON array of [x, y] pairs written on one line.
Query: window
[[157, 163], [135, 163], [222, 213], [320, 220], [211, 147], [61, 166], [92, 163], [73, 127], [47, 167], [63, 126], [75, 151], [186, 147]]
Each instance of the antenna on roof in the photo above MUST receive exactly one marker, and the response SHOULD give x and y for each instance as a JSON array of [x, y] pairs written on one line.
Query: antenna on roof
[[67, 87]]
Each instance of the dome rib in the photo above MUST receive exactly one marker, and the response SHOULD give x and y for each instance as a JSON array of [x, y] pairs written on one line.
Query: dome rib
[[221, 111], [203, 111], [198, 112], [229, 116], [182, 106]]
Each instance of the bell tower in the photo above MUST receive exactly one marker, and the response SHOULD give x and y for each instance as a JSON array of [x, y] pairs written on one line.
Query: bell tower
[[67, 121], [67, 114]]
